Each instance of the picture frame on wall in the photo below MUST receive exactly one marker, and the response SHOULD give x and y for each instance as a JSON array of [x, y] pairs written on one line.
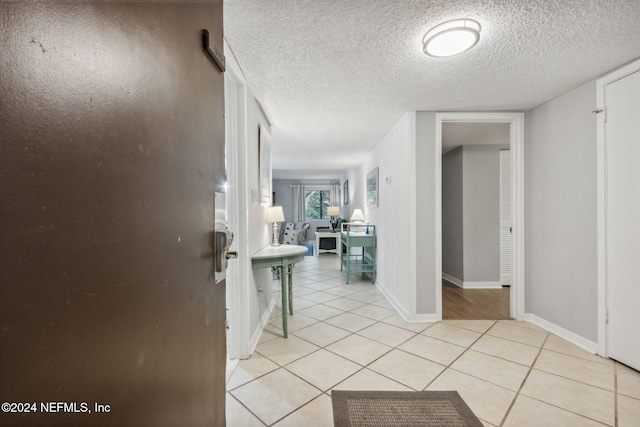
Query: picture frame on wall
[[345, 192], [264, 149], [372, 188]]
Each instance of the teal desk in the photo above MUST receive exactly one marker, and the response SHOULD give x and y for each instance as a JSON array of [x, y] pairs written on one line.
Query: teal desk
[[363, 237], [282, 258]]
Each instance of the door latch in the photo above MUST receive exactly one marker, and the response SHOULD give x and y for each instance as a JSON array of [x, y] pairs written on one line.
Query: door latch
[[223, 239]]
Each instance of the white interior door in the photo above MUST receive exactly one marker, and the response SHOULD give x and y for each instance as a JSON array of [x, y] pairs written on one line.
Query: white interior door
[[505, 217], [622, 151]]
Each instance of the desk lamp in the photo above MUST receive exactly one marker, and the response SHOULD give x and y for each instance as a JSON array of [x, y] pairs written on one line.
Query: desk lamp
[[357, 218], [333, 212], [275, 215]]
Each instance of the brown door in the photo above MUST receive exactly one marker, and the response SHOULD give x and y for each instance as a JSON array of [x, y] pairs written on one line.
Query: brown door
[[111, 149]]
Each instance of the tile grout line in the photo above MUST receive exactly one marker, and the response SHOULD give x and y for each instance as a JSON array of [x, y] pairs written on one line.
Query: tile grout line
[[363, 367], [446, 367], [280, 366], [486, 380], [382, 321], [245, 407], [327, 392], [414, 334], [524, 380]]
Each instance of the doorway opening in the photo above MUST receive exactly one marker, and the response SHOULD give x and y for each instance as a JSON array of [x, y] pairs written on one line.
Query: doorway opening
[[476, 220], [512, 124]]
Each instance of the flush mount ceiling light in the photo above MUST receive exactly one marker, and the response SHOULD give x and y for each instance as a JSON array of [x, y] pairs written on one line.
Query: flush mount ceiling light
[[451, 38]]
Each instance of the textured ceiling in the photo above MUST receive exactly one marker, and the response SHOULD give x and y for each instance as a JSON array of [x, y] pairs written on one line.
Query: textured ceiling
[[334, 76]]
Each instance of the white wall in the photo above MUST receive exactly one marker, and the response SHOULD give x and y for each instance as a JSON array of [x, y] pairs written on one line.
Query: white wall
[[392, 217], [258, 232], [452, 217], [425, 193], [357, 190], [471, 216], [284, 196], [481, 200], [246, 304], [561, 252], [405, 217]]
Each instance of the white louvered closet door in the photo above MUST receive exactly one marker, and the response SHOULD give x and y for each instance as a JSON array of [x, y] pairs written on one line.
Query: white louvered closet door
[[505, 217]]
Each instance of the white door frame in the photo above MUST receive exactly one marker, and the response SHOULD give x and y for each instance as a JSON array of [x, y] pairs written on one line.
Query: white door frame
[[602, 199], [516, 141], [239, 269]]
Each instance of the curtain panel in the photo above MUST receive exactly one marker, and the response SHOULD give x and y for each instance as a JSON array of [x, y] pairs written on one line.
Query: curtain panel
[[299, 213]]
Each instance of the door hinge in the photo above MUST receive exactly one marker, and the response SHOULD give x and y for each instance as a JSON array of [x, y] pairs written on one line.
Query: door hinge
[[606, 316]]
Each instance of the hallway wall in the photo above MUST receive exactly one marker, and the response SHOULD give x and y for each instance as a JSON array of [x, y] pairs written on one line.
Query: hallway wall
[[470, 215], [452, 214], [405, 216], [393, 216], [561, 221], [260, 292]]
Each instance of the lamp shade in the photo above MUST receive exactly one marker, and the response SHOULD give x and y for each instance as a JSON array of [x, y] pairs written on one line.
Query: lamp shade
[[333, 211], [357, 215], [275, 214]]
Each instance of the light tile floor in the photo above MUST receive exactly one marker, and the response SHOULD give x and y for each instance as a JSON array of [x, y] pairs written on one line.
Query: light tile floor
[[348, 337]]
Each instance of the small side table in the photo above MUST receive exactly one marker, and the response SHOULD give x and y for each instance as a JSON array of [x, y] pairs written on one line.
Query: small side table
[[367, 241], [284, 258], [327, 235]]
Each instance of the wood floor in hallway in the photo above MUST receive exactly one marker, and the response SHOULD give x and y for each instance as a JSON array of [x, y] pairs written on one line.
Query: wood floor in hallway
[[474, 304]]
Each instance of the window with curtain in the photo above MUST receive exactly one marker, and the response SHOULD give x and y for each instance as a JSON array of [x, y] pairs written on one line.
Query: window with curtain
[[316, 203]]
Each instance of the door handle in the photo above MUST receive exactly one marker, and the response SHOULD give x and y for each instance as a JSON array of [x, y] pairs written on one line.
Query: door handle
[[223, 239]]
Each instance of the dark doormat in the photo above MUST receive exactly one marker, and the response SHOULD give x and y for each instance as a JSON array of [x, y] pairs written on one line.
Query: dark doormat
[[401, 408]]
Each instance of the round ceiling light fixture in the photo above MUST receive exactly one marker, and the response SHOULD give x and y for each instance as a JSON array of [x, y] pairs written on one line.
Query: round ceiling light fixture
[[451, 38]]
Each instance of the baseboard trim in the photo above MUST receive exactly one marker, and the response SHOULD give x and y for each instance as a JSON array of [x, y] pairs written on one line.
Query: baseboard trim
[[566, 335], [422, 318], [452, 280], [471, 285], [232, 364], [406, 316], [255, 338], [401, 311], [482, 285]]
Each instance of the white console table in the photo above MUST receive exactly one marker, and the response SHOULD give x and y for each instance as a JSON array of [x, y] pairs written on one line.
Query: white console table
[[327, 235]]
